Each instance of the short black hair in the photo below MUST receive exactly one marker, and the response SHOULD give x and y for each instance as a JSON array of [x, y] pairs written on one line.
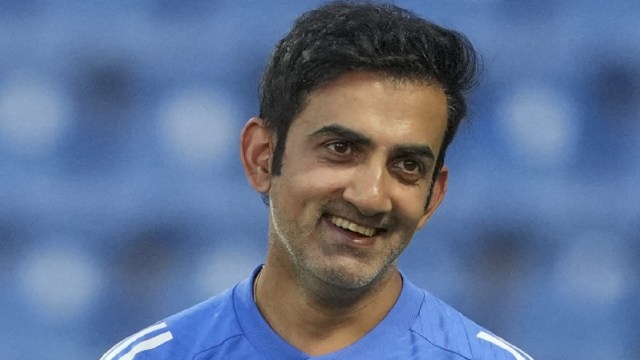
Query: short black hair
[[345, 36]]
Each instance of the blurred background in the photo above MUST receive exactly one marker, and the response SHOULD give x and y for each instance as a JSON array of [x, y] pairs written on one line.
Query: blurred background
[[122, 198]]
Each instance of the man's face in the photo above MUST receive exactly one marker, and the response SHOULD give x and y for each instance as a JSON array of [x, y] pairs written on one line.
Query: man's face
[[356, 175]]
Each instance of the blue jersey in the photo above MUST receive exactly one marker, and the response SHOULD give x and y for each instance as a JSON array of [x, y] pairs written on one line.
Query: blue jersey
[[229, 326]]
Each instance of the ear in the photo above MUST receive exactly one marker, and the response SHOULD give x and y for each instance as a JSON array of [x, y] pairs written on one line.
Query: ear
[[256, 152], [438, 190]]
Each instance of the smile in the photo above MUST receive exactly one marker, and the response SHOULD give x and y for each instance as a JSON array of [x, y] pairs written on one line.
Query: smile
[[348, 225]]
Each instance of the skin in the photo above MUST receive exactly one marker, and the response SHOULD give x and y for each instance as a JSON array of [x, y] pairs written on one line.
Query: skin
[[362, 149]]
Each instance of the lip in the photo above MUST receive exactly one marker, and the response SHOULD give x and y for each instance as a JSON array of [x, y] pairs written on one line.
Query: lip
[[349, 237]]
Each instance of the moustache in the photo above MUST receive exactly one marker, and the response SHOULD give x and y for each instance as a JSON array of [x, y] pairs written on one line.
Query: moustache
[[344, 209]]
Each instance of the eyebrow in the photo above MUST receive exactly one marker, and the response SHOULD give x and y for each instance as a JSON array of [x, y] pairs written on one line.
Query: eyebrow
[[417, 150], [343, 133]]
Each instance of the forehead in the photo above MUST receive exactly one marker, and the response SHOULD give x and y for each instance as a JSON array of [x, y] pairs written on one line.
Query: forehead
[[388, 110]]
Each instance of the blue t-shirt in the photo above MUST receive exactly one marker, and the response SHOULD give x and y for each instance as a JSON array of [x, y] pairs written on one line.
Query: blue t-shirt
[[229, 326]]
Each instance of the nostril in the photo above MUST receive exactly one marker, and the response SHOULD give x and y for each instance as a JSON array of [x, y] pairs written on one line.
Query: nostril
[[368, 203]]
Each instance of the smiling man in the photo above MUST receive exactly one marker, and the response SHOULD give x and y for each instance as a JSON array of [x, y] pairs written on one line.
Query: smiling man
[[357, 107]]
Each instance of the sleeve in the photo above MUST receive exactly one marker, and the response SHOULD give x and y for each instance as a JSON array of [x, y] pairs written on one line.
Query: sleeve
[[153, 342], [502, 345]]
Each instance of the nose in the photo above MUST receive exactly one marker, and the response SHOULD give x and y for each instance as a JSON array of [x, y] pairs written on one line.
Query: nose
[[368, 189]]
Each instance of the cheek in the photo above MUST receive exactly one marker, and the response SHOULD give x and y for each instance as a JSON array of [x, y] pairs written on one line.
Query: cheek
[[299, 197], [411, 207], [318, 181]]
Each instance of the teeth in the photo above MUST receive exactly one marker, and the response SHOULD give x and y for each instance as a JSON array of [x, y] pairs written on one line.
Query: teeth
[[346, 224]]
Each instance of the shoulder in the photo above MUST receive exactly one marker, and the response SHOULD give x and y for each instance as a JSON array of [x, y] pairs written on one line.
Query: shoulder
[[443, 326], [183, 335]]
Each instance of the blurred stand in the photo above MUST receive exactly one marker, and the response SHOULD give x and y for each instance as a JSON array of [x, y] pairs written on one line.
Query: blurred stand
[[122, 199]]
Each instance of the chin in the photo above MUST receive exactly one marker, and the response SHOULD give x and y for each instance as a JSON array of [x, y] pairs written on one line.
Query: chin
[[349, 277]]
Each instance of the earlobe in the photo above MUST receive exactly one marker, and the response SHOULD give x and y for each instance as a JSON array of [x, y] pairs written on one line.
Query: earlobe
[[438, 190], [256, 152]]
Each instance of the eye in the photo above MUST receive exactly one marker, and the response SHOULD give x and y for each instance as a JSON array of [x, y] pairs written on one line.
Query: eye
[[409, 170], [340, 147], [410, 165]]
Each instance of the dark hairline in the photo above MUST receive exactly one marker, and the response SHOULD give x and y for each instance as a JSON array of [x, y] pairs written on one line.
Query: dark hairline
[[346, 36]]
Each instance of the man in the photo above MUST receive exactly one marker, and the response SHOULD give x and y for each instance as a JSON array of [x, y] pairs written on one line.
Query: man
[[357, 107]]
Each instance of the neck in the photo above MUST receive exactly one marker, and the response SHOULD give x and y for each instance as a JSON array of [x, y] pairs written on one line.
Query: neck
[[320, 319]]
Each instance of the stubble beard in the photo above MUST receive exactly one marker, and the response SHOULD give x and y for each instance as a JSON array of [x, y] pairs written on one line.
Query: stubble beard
[[319, 275]]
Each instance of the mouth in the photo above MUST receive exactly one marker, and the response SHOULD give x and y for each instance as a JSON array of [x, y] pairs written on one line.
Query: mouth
[[353, 227]]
